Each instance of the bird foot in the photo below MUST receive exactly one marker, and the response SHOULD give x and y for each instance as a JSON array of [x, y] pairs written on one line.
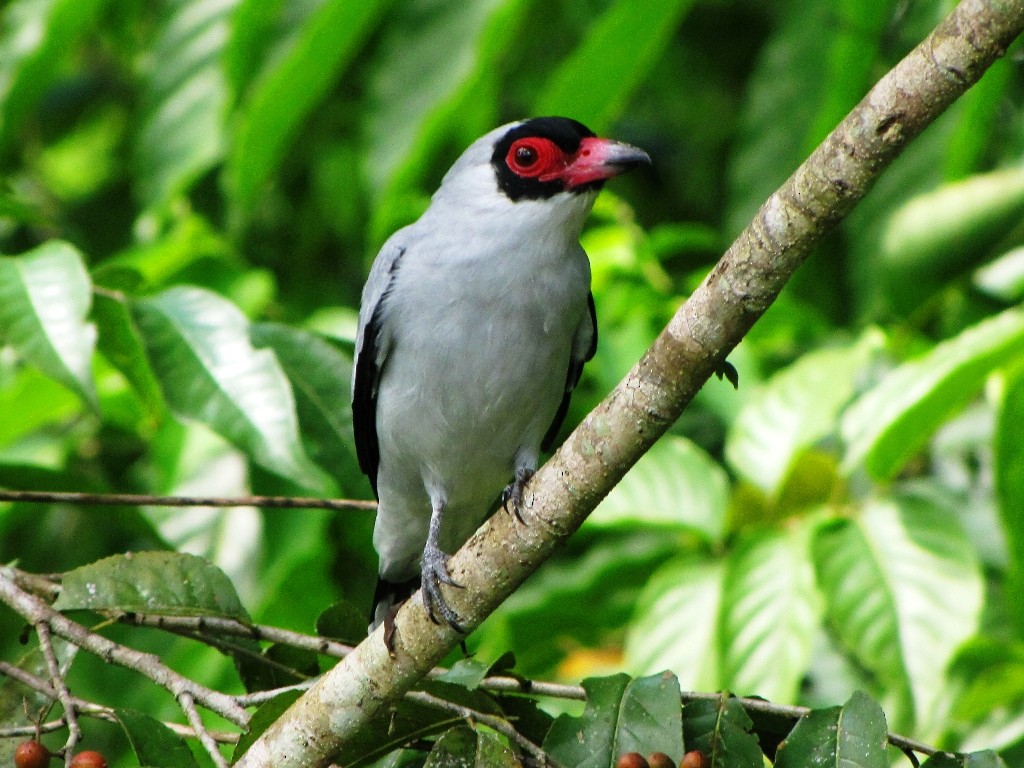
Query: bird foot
[[513, 493], [434, 574]]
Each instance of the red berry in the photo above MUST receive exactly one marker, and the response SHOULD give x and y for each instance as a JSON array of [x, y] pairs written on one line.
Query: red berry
[[31, 754], [694, 759], [632, 760], [88, 759], [660, 760]]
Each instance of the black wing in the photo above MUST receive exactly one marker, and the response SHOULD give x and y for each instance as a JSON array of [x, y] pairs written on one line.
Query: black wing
[[369, 360], [576, 362]]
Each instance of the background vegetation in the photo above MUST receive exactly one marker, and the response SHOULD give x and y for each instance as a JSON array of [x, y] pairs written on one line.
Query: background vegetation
[[193, 191]]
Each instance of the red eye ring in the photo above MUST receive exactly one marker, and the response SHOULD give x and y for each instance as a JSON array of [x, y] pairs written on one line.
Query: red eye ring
[[535, 157]]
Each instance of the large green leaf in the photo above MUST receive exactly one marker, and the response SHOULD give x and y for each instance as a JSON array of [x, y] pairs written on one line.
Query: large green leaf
[[1009, 486], [622, 715], [795, 409], [155, 745], [617, 53], [941, 232], [769, 616], [198, 345], [903, 588], [44, 298], [720, 729], [888, 425], [170, 583], [320, 375], [851, 736], [121, 344], [319, 45], [35, 39], [674, 484], [675, 625], [182, 134]]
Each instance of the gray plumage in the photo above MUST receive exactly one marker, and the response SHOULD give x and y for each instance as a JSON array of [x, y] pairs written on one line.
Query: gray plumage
[[474, 325]]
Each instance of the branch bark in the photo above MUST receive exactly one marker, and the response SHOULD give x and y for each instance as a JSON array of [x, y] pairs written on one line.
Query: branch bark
[[734, 295]]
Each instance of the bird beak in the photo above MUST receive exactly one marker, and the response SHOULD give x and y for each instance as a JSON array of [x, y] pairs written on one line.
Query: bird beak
[[598, 160]]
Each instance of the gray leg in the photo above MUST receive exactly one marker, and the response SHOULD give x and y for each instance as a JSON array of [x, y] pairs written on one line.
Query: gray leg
[[513, 493], [434, 573]]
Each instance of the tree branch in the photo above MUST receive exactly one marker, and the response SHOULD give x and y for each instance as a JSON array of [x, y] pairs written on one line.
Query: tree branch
[[146, 500], [642, 407]]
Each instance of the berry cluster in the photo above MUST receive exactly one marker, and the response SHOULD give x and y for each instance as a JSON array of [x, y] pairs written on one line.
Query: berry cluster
[[34, 754], [694, 759]]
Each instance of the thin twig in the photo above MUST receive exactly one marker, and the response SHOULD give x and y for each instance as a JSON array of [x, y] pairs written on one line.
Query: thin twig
[[36, 611], [226, 626], [141, 499], [83, 707], [60, 686], [499, 724], [188, 705]]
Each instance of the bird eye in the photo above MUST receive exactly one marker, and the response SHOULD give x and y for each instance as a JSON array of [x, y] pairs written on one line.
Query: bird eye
[[526, 156], [534, 157]]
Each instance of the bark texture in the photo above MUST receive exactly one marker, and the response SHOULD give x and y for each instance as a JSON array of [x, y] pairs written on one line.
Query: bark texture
[[324, 723]]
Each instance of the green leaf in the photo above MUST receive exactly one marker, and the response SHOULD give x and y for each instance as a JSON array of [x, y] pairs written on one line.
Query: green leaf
[[1009, 486], [44, 299], [198, 345], [675, 627], [121, 344], [168, 583], [468, 673], [674, 484], [304, 67], [35, 39], [888, 425], [852, 736], [904, 589], [618, 52], [182, 134], [770, 614], [155, 745], [720, 728], [621, 715], [19, 704], [940, 232], [342, 621], [30, 401], [320, 376], [1003, 277], [794, 410], [464, 747]]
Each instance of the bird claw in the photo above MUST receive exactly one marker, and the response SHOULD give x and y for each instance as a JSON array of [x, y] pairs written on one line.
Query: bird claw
[[434, 574], [513, 493]]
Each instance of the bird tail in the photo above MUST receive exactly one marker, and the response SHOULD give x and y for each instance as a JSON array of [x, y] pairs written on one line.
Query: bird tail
[[387, 595]]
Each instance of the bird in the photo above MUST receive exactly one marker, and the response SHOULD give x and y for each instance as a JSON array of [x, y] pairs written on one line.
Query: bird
[[474, 325]]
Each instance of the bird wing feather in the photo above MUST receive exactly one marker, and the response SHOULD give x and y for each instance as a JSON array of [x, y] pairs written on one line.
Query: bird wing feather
[[372, 346], [584, 345]]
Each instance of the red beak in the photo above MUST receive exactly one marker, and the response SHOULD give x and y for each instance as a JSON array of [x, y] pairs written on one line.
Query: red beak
[[597, 160]]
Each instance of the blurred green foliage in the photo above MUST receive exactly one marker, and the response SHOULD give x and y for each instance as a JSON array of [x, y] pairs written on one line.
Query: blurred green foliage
[[192, 191]]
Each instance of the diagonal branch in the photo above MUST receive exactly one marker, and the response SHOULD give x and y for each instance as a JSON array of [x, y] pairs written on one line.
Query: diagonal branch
[[611, 439]]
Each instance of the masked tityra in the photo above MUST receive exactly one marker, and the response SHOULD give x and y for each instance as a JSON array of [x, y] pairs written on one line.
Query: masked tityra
[[475, 324]]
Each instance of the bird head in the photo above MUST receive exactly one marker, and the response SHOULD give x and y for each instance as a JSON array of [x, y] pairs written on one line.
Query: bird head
[[552, 159], [546, 156]]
